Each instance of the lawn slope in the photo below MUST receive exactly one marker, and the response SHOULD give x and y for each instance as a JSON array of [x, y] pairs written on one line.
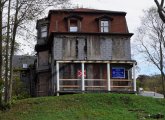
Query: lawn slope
[[86, 107]]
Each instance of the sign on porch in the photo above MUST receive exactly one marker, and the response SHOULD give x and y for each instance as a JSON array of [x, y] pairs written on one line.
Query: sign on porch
[[118, 72], [79, 73]]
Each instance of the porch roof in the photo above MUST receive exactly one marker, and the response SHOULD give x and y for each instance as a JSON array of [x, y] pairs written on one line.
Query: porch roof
[[98, 61]]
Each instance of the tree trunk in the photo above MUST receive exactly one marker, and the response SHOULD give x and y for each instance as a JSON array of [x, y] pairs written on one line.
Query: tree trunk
[[7, 55], [161, 61], [12, 50], [163, 85], [1, 81]]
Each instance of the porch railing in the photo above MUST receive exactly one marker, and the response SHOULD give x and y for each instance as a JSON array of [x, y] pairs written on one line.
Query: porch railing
[[95, 84]]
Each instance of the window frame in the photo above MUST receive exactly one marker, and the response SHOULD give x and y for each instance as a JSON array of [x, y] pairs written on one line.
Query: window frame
[[103, 27], [43, 30], [71, 25], [107, 18], [74, 17]]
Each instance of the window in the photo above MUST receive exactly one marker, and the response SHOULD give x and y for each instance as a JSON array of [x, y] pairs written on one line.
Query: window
[[25, 66], [104, 26], [74, 22], [43, 31], [73, 25], [104, 23], [69, 48]]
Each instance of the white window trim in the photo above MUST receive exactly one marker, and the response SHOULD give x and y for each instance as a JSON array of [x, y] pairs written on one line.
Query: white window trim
[[43, 31], [103, 27]]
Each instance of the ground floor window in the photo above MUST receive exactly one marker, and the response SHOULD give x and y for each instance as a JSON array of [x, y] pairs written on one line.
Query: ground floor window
[[68, 76], [96, 76]]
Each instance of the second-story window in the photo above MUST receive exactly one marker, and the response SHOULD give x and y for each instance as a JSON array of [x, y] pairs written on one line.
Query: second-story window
[[104, 23], [43, 31], [104, 26], [73, 25]]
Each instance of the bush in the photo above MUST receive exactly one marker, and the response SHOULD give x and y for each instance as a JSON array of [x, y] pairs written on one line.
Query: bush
[[20, 90], [4, 106]]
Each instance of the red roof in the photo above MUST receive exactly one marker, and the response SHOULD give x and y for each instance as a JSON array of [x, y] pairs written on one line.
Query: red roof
[[88, 10]]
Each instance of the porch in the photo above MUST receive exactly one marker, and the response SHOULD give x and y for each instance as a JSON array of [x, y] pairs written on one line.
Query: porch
[[92, 76]]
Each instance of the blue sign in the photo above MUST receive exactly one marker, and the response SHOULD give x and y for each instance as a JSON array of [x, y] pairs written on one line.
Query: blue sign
[[118, 72]]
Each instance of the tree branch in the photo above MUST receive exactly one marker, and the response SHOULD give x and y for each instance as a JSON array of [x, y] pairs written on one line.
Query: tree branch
[[161, 9]]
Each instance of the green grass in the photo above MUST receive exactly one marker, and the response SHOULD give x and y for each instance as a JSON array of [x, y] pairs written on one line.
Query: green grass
[[85, 107]]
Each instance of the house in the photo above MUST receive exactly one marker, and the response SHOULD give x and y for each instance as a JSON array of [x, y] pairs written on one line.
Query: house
[[84, 50], [24, 75]]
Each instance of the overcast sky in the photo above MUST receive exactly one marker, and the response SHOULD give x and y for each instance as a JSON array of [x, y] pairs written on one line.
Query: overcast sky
[[134, 9]]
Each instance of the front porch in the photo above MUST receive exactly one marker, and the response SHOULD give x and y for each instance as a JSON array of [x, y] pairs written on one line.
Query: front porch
[[92, 76]]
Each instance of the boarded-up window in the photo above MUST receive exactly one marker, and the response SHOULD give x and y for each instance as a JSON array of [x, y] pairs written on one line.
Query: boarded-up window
[[96, 71], [96, 76], [69, 48], [118, 48], [43, 58], [69, 70], [93, 47]]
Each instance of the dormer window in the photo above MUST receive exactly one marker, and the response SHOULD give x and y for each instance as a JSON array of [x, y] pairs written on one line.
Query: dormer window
[[104, 26], [73, 27], [74, 23], [104, 23], [43, 31]]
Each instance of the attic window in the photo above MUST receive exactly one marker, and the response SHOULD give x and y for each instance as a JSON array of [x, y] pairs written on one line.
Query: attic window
[[104, 26], [73, 25], [43, 31], [104, 23]]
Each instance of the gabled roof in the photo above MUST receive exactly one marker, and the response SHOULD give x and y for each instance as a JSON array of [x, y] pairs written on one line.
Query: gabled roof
[[19, 60], [87, 10]]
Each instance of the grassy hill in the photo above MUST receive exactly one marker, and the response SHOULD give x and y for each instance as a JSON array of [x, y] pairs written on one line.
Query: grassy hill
[[86, 107]]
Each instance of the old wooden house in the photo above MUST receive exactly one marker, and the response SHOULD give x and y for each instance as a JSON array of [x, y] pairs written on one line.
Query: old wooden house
[[24, 75], [84, 50]]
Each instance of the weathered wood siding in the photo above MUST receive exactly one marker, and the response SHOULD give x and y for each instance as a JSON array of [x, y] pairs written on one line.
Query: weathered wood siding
[[43, 57], [44, 84], [91, 48], [121, 49]]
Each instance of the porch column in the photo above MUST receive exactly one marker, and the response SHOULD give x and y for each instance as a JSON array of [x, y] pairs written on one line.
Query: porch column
[[134, 79], [57, 73], [82, 77], [108, 77]]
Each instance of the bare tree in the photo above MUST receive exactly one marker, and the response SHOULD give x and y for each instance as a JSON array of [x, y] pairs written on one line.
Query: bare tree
[[161, 9], [17, 16], [24, 11], [7, 52], [2, 3], [1, 8], [151, 36]]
